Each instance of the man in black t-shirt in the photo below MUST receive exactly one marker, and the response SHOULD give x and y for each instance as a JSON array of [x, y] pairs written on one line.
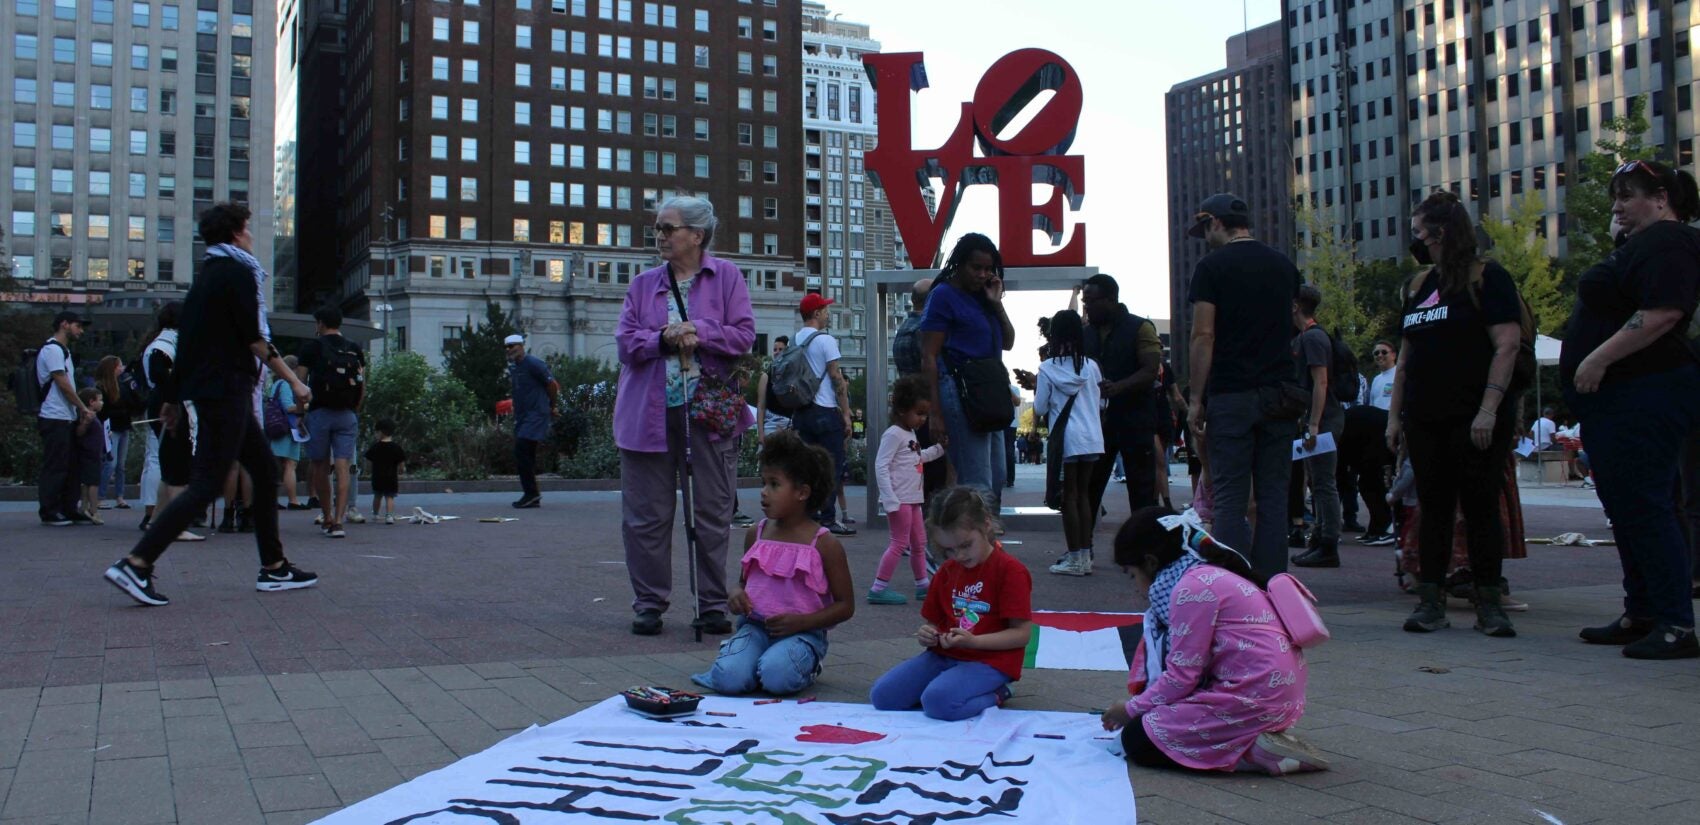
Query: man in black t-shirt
[[338, 370], [1242, 295]]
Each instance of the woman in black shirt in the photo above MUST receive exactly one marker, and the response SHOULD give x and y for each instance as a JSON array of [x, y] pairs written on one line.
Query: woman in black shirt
[[1633, 379], [1451, 408]]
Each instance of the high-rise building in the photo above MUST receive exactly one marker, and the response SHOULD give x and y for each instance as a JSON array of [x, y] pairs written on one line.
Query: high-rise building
[[321, 41], [847, 224], [122, 121], [1227, 132], [1495, 101], [517, 151]]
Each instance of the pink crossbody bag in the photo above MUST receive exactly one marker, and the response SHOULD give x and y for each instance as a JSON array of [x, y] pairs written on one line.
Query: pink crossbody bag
[[1296, 607]]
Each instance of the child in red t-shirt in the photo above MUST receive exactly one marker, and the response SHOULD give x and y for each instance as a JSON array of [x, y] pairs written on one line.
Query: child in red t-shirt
[[977, 618]]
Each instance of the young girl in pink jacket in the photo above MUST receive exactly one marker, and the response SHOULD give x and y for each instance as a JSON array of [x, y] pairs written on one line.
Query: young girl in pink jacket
[[1218, 682], [898, 472]]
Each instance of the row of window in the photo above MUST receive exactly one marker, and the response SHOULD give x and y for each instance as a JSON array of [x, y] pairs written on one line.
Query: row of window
[[100, 98], [26, 47], [93, 269], [99, 183], [95, 227]]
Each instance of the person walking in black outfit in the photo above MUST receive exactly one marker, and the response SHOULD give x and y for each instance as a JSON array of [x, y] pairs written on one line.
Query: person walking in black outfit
[[223, 337]]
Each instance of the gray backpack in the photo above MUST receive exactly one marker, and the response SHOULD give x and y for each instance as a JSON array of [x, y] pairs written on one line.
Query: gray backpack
[[791, 382]]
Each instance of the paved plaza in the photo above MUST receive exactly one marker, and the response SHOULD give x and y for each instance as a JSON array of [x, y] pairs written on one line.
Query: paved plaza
[[424, 644]]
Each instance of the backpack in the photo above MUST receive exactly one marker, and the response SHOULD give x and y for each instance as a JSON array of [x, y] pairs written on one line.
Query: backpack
[[276, 423], [1296, 608], [28, 390], [1343, 375], [133, 387], [791, 382], [338, 375], [906, 348]]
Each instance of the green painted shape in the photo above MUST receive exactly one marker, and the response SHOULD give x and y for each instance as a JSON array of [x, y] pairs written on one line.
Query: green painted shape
[[791, 784]]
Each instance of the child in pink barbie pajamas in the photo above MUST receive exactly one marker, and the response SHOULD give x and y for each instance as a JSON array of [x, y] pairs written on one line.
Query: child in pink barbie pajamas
[[898, 471]]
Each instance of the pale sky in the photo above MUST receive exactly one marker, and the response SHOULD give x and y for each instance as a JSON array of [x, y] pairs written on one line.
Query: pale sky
[[1128, 53]]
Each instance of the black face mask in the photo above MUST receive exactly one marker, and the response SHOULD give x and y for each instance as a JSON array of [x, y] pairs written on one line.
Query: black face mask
[[1419, 250]]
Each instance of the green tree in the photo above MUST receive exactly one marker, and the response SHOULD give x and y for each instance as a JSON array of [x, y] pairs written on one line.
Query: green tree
[[479, 359], [432, 410], [1587, 199], [1329, 261], [1523, 252], [1380, 286]]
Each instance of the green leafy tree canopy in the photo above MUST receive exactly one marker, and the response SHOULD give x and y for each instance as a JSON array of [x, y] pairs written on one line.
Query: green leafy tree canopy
[[479, 360], [1587, 199], [1329, 261], [1523, 253]]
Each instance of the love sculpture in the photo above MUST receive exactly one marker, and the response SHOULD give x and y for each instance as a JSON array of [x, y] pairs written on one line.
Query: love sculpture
[[1035, 155]]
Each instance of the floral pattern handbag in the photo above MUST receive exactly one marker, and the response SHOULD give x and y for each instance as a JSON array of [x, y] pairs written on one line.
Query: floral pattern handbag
[[717, 404]]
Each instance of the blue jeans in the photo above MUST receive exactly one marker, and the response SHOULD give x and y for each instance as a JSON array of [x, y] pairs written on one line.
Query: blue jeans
[[112, 467], [824, 427], [946, 689], [976, 457], [750, 660], [1635, 429], [1245, 447]]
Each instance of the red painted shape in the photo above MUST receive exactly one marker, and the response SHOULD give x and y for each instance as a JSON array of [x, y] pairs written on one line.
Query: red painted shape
[[1084, 622], [1034, 155], [837, 735]]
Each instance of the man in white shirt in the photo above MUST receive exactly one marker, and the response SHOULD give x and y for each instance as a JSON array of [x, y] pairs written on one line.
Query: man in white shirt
[[57, 492], [1543, 430], [826, 422], [1386, 362]]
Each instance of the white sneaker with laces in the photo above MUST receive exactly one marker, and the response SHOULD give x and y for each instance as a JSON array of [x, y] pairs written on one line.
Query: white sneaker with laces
[[1073, 563], [354, 515]]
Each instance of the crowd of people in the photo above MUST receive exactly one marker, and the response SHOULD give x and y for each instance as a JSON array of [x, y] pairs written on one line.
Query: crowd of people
[[1284, 433]]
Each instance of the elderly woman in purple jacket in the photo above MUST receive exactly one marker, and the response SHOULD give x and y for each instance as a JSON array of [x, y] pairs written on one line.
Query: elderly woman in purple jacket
[[664, 355]]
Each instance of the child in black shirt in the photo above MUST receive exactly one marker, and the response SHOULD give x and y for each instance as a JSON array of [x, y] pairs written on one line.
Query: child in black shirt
[[386, 457]]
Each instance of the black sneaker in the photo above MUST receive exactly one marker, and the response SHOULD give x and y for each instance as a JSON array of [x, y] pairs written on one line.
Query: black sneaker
[[528, 502], [56, 520], [1383, 540], [287, 577], [647, 623], [1665, 642], [1619, 631], [1317, 557], [136, 584], [144, 525], [741, 520], [1297, 537], [80, 518], [1352, 527], [713, 622], [838, 529]]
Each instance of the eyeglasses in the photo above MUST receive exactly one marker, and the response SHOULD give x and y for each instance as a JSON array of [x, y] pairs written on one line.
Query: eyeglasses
[[664, 229], [1380, 352]]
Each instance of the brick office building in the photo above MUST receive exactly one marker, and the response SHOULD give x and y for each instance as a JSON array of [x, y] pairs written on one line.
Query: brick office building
[[516, 152]]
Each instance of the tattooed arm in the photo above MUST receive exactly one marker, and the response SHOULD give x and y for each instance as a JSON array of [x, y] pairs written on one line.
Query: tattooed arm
[[1639, 332]]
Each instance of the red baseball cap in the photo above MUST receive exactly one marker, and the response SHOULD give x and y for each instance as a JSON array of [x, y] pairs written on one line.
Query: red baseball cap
[[812, 303]]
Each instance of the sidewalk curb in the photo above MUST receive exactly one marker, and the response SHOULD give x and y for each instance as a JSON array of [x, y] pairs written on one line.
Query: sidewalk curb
[[498, 484]]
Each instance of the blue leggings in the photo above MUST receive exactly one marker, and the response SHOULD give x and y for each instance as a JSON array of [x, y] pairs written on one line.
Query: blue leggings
[[946, 689]]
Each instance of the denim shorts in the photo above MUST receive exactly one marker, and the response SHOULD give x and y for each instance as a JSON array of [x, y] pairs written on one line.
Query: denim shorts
[[332, 434]]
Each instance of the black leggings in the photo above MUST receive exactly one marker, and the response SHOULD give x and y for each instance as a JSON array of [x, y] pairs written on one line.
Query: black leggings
[[1452, 474], [1141, 750]]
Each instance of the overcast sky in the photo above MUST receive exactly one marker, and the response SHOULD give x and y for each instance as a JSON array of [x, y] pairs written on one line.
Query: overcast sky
[[1127, 54]]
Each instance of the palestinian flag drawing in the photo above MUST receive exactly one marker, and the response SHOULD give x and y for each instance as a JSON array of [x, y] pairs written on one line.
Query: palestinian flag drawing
[[1066, 640]]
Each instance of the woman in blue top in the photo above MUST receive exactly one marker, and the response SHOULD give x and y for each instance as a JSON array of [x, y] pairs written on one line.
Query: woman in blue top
[[965, 321]]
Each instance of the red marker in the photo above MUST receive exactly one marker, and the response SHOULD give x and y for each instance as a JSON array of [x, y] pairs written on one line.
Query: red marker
[[805, 700], [768, 701]]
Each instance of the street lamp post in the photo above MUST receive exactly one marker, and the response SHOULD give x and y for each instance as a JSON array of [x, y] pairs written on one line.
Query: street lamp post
[[384, 306]]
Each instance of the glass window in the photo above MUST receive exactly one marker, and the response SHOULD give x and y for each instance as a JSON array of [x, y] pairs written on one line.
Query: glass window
[[23, 46], [168, 186], [439, 68], [23, 135], [100, 96], [100, 269], [469, 149], [23, 179], [469, 110], [23, 89], [439, 187], [469, 31], [439, 147], [64, 50], [100, 183], [100, 140], [522, 192], [522, 234], [138, 228], [100, 53], [138, 185], [23, 224], [468, 232], [702, 20], [168, 18], [64, 9], [439, 226], [139, 57], [100, 227], [468, 71], [167, 60], [138, 141], [469, 189], [64, 136], [206, 22], [522, 37]]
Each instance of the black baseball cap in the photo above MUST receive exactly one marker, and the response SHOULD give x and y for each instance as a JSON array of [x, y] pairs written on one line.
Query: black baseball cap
[[1219, 205], [70, 316]]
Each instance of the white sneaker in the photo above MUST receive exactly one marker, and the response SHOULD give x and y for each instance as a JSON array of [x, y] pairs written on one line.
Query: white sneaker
[[354, 515], [1073, 563]]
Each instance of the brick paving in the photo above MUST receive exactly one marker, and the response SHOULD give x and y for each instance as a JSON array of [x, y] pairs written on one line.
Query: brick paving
[[426, 644]]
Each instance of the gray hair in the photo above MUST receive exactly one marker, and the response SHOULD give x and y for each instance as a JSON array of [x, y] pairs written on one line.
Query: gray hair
[[697, 213]]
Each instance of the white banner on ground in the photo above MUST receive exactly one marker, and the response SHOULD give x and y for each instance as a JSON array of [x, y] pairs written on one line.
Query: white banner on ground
[[775, 763]]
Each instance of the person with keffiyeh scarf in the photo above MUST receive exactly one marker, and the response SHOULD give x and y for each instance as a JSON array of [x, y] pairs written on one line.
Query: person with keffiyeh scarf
[[1217, 681], [223, 338]]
